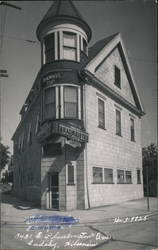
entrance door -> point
(54, 191)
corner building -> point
(78, 143)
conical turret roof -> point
(62, 11)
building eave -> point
(90, 79)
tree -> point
(150, 154)
(4, 156)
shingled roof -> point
(98, 46)
(60, 12)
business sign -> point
(51, 78)
(70, 132)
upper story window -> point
(101, 114)
(49, 103)
(117, 77)
(62, 102)
(118, 122)
(49, 48)
(84, 46)
(70, 102)
(69, 46)
(132, 130)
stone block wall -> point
(105, 149)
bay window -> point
(49, 103)
(49, 48)
(62, 101)
(69, 46)
(70, 102)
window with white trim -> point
(117, 77)
(49, 103)
(62, 101)
(128, 177)
(70, 102)
(138, 176)
(124, 177)
(118, 122)
(49, 48)
(97, 175)
(85, 46)
(108, 175)
(71, 174)
(132, 129)
(101, 114)
(120, 176)
(69, 46)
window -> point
(101, 114)
(69, 46)
(138, 177)
(132, 129)
(70, 102)
(118, 122)
(49, 101)
(37, 124)
(97, 175)
(108, 175)
(84, 46)
(128, 177)
(52, 149)
(71, 174)
(117, 77)
(22, 142)
(29, 139)
(49, 48)
(120, 176)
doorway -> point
(54, 190)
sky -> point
(134, 19)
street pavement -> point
(127, 225)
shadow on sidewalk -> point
(9, 198)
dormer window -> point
(49, 48)
(69, 46)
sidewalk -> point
(14, 210)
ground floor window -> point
(71, 176)
(120, 176)
(52, 149)
(128, 177)
(124, 177)
(97, 175)
(108, 175)
(138, 177)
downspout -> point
(86, 163)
